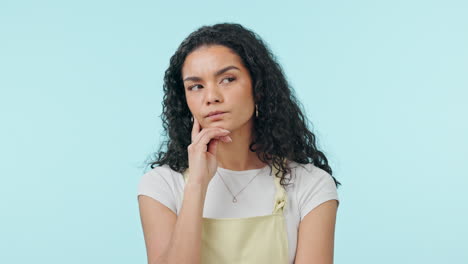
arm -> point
(316, 235)
(179, 239)
(172, 239)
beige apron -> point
(258, 239)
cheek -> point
(192, 105)
(244, 106)
(243, 92)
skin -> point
(229, 92)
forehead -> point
(206, 60)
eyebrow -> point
(223, 70)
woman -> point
(241, 179)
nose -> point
(213, 94)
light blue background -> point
(384, 83)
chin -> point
(218, 124)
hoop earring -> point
(256, 110)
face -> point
(216, 80)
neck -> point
(236, 155)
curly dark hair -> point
(280, 131)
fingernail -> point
(225, 130)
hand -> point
(202, 152)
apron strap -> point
(185, 174)
(280, 195)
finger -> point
(224, 138)
(206, 135)
(213, 146)
(195, 128)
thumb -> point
(212, 146)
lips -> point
(215, 113)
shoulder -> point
(162, 184)
(161, 173)
(312, 186)
(308, 174)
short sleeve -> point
(315, 188)
(154, 185)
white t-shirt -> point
(310, 186)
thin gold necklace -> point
(234, 199)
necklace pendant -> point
(234, 200)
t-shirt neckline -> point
(243, 172)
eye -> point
(191, 87)
(229, 78)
